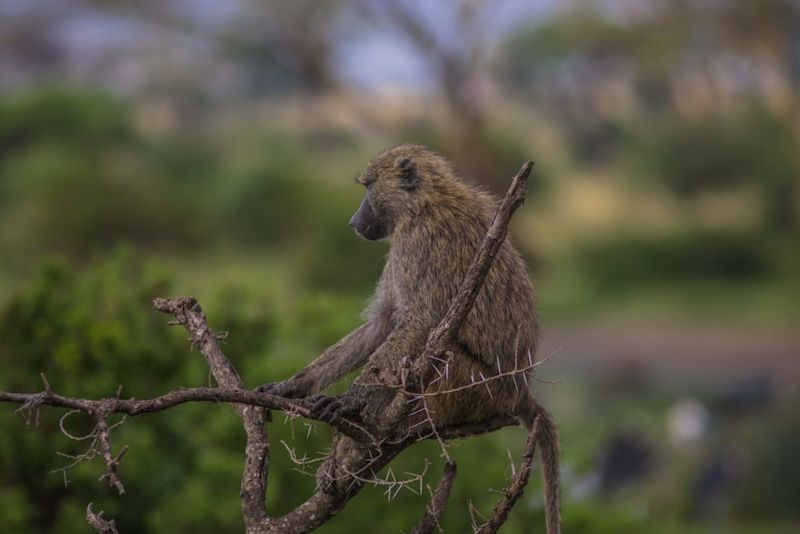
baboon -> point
(435, 223)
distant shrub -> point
(694, 256)
(769, 487)
(77, 178)
(335, 257)
(272, 200)
(716, 152)
(91, 332)
(71, 117)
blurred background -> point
(163, 147)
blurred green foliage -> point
(704, 255)
(91, 331)
(248, 209)
(76, 178)
(773, 491)
(755, 148)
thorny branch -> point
(134, 407)
(100, 523)
(514, 491)
(253, 408)
(439, 498)
(442, 337)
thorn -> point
(483, 378)
(418, 410)
(439, 359)
(418, 424)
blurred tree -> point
(266, 46)
(28, 42)
(455, 40)
(574, 67)
(91, 332)
(76, 177)
(459, 61)
(275, 46)
(628, 261)
(720, 78)
(710, 153)
(295, 41)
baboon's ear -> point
(409, 178)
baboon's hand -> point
(285, 388)
(329, 408)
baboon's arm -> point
(407, 339)
(348, 354)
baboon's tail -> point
(549, 454)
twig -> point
(518, 482)
(187, 312)
(136, 407)
(112, 462)
(392, 484)
(433, 512)
(100, 523)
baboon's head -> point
(399, 184)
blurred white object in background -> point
(687, 422)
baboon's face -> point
(391, 184)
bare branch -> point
(134, 407)
(433, 512)
(517, 487)
(100, 523)
(112, 462)
(188, 313)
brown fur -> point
(435, 224)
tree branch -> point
(100, 523)
(433, 512)
(516, 488)
(188, 313)
(444, 333)
(112, 462)
(134, 407)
